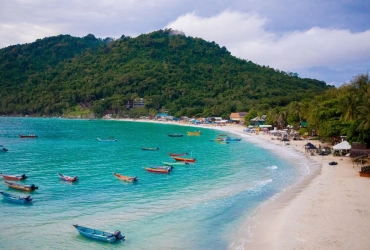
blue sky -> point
(328, 40)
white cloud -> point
(246, 36)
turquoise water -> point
(194, 207)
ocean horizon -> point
(200, 206)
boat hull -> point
(184, 159)
(106, 140)
(179, 163)
(180, 154)
(159, 170)
(150, 149)
(68, 178)
(126, 178)
(99, 235)
(193, 133)
(27, 188)
(14, 177)
(28, 136)
(17, 199)
(175, 135)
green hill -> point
(188, 76)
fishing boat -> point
(175, 135)
(126, 178)
(159, 169)
(193, 132)
(68, 178)
(100, 235)
(150, 149)
(227, 138)
(179, 154)
(221, 142)
(17, 199)
(184, 159)
(107, 140)
(14, 177)
(21, 187)
(177, 163)
(28, 136)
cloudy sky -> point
(328, 40)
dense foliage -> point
(343, 111)
(187, 76)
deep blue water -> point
(194, 207)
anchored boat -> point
(100, 235)
(21, 187)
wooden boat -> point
(17, 199)
(365, 171)
(151, 149)
(221, 142)
(107, 140)
(180, 154)
(159, 169)
(28, 136)
(126, 178)
(68, 178)
(21, 187)
(178, 163)
(100, 235)
(175, 135)
(184, 159)
(193, 132)
(14, 177)
(227, 138)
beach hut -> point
(341, 148)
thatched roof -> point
(359, 152)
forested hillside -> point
(188, 76)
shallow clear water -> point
(194, 207)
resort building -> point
(238, 117)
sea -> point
(200, 206)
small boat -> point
(150, 149)
(180, 154)
(17, 199)
(159, 169)
(175, 135)
(100, 235)
(193, 132)
(126, 178)
(68, 178)
(107, 140)
(221, 142)
(28, 136)
(333, 163)
(184, 159)
(2, 149)
(233, 139)
(21, 187)
(14, 177)
(227, 138)
(178, 163)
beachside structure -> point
(238, 117)
(259, 120)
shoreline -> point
(328, 209)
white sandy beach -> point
(328, 209)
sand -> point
(328, 209)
